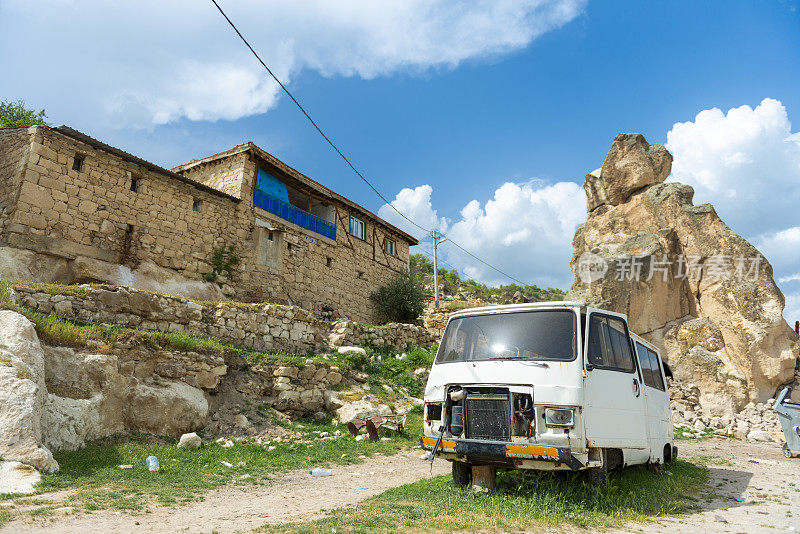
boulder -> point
(23, 394)
(190, 441)
(16, 477)
(86, 396)
(759, 435)
(687, 282)
(361, 409)
(169, 410)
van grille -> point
(488, 416)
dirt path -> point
(292, 497)
(757, 474)
(752, 489)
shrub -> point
(402, 300)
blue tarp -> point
(271, 185)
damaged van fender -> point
(547, 386)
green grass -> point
(185, 474)
(522, 501)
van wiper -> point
(525, 359)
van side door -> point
(614, 404)
(658, 410)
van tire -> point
(462, 474)
(598, 476)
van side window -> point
(644, 360)
(608, 344)
(655, 367)
(622, 349)
(651, 370)
(599, 353)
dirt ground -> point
(753, 488)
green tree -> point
(15, 115)
(402, 300)
(420, 264)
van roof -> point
(500, 308)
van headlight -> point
(559, 417)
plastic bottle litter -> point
(319, 472)
(152, 463)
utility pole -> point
(437, 238)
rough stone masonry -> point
(74, 210)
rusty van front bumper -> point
(502, 452)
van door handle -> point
(636, 389)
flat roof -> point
(297, 175)
(99, 145)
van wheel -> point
(462, 474)
(667, 453)
(598, 476)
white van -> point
(548, 386)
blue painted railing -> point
(293, 214)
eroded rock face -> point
(22, 394)
(688, 283)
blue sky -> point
(463, 98)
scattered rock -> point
(351, 350)
(190, 441)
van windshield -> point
(530, 335)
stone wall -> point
(14, 144)
(265, 327)
(116, 221)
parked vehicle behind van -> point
(547, 386)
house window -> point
(135, 184)
(77, 162)
(197, 205)
(271, 237)
(328, 262)
(358, 228)
(388, 247)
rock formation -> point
(22, 394)
(687, 282)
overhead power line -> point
(346, 160)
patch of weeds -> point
(5, 517)
(711, 460)
(523, 501)
(692, 434)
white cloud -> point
(416, 205)
(747, 164)
(152, 62)
(782, 249)
(525, 230)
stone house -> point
(73, 209)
